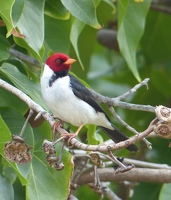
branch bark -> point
(134, 175)
(160, 8)
(74, 142)
(117, 103)
(24, 57)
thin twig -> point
(119, 145)
(72, 197)
(115, 160)
(116, 103)
(148, 144)
(58, 140)
(161, 8)
(109, 193)
(31, 112)
(77, 173)
(61, 152)
(48, 117)
(80, 153)
(145, 164)
(24, 57)
(96, 177)
(116, 146)
(134, 89)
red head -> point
(59, 62)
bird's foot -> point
(70, 136)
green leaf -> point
(4, 47)
(8, 171)
(17, 11)
(5, 13)
(83, 43)
(83, 40)
(131, 20)
(58, 39)
(23, 83)
(14, 120)
(5, 101)
(85, 11)
(161, 75)
(76, 30)
(31, 25)
(43, 131)
(148, 191)
(45, 182)
(6, 189)
(93, 137)
(91, 134)
(56, 10)
(155, 41)
(111, 4)
(165, 192)
(5, 137)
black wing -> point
(84, 94)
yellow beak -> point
(69, 61)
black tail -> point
(117, 136)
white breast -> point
(61, 100)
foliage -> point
(37, 28)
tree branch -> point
(160, 8)
(36, 107)
(134, 89)
(123, 144)
(128, 127)
(24, 57)
(134, 175)
(73, 141)
(117, 103)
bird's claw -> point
(69, 137)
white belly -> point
(67, 107)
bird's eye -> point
(59, 61)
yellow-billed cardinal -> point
(70, 101)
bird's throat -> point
(57, 75)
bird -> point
(72, 102)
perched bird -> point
(70, 101)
